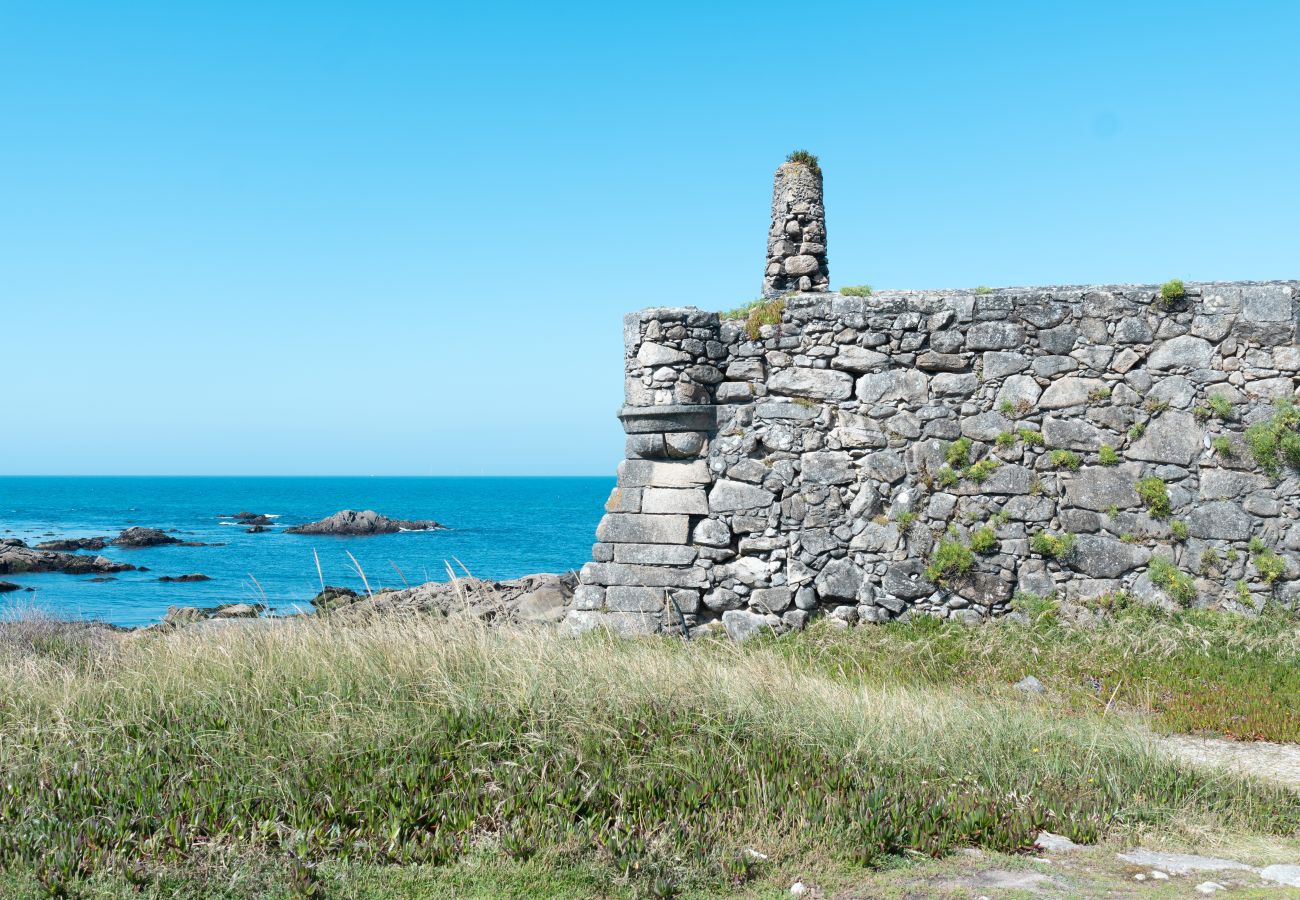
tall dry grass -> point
(405, 739)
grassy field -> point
(1194, 671)
(434, 758)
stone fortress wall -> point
(817, 465)
(943, 451)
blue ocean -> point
(497, 528)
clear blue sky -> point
(398, 238)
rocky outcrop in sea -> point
(136, 537)
(350, 522)
(17, 557)
(71, 544)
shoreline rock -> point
(69, 544)
(196, 576)
(351, 523)
(16, 557)
(541, 599)
(179, 616)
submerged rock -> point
(196, 576)
(7, 586)
(353, 523)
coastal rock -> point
(137, 537)
(531, 600)
(16, 557)
(250, 518)
(196, 576)
(331, 597)
(7, 586)
(349, 522)
(178, 616)
(69, 544)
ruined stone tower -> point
(796, 242)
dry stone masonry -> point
(796, 242)
(1080, 441)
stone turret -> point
(796, 242)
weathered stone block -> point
(644, 472)
(610, 574)
(712, 533)
(908, 385)
(1071, 434)
(994, 336)
(623, 598)
(1185, 352)
(1174, 437)
(816, 384)
(589, 596)
(1099, 488)
(827, 467)
(652, 354)
(736, 496)
(683, 501)
(655, 554)
(1220, 520)
(772, 600)
(858, 359)
(624, 500)
(839, 580)
(1105, 557)
(741, 625)
(1069, 392)
(638, 528)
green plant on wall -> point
(1065, 459)
(757, 314)
(1172, 291)
(1276, 442)
(1107, 456)
(1180, 586)
(1051, 545)
(1268, 564)
(856, 290)
(1155, 494)
(983, 540)
(804, 158)
(958, 453)
(982, 469)
(949, 560)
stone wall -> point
(818, 465)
